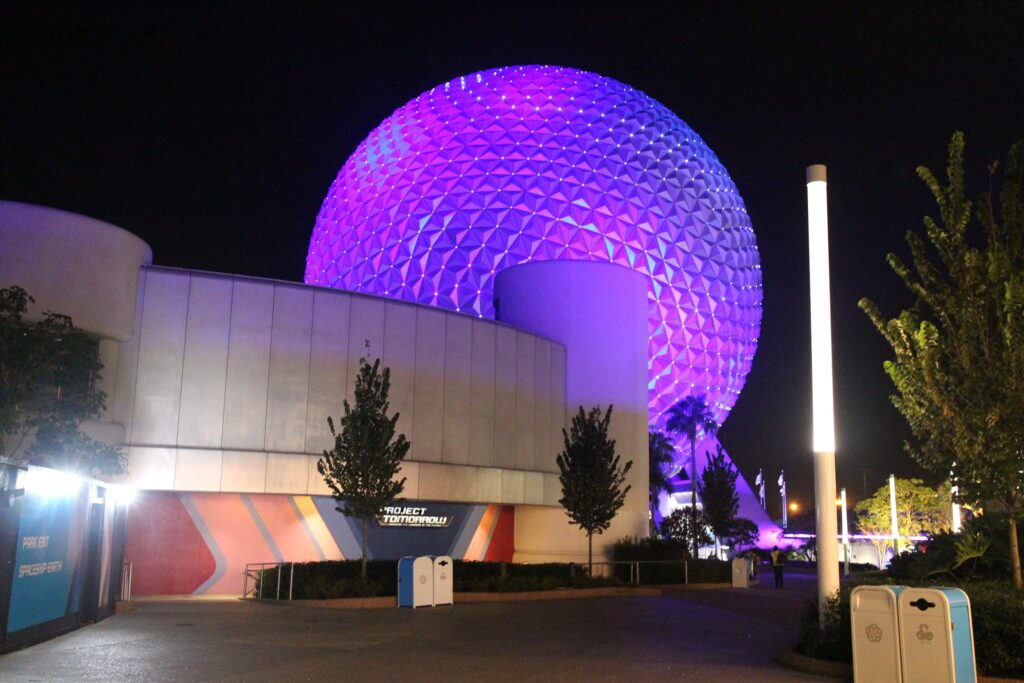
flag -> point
(782, 482)
(760, 480)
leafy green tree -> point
(680, 526)
(660, 454)
(48, 375)
(742, 532)
(689, 417)
(717, 489)
(592, 480)
(958, 356)
(361, 470)
(920, 510)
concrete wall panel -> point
(288, 392)
(244, 471)
(287, 473)
(525, 400)
(458, 364)
(245, 397)
(151, 468)
(161, 356)
(201, 422)
(197, 470)
(505, 398)
(481, 395)
(541, 403)
(328, 366)
(428, 408)
(400, 356)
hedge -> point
(341, 578)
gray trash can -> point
(415, 582)
(444, 581)
(937, 636)
(740, 573)
(874, 628)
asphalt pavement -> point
(691, 635)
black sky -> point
(213, 132)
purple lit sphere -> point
(536, 163)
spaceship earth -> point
(529, 163)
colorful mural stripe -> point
(199, 543)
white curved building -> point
(219, 388)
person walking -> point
(778, 562)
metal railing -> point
(607, 569)
(256, 572)
(126, 581)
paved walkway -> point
(692, 635)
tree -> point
(592, 480)
(660, 454)
(679, 525)
(362, 467)
(920, 510)
(690, 417)
(717, 489)
(742, 532)
(958, 356)
(48, 375)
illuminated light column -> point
(954, 490)
(892, 515)
(846, 533)
(821, 380)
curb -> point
(524, 596)
(812, 665)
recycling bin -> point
(937, 636)
(740, 573)
(874, 627)
(444, 578)
(415, 582)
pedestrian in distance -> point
(778, 562)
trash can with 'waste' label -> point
(937, 636)
(874, 627)
(415, 582)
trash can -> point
(740, 573)
(444, 579)
(415, 582)
(937, 636)
(874, 627)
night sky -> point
(213, 132)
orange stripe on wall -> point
(284, 527)
(316, 525)
(478, 546)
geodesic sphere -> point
(536, 163)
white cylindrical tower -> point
(599, 312)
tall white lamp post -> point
(846, 533)
(821, 379)
(893, 519)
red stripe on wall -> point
(285, 527)
(503, 542)
(167, 552)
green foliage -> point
(660, 454)
(689, 417)
(717, 491)
(592, 480)
(343, 579)
(48, 375)
(662, 562)
(361, 470)
(742, 533)
(920, 510)
(958, 356)
(679, 526)
(977, 553)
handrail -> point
(256, 571)
(126, 581)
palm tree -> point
(689, 417)
(660, 454)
